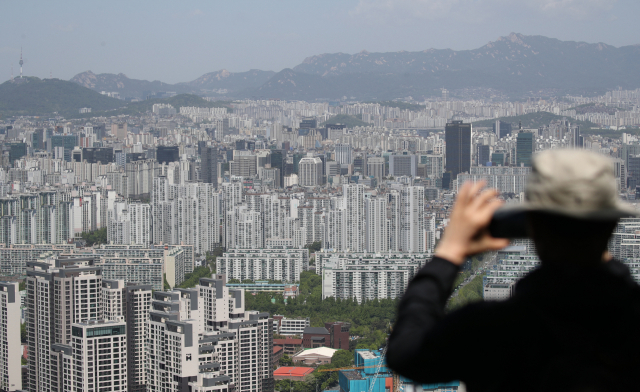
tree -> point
(193, 278)
(314, 246)
(23, 333)
(234, 281)
(96, 237)
(286, 360)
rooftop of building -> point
(352, 375)
(319, 351)
(295, 371)
(316, 330)
(287, 341)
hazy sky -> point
(177, 41)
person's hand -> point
(467, 233)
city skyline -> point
(134, 40)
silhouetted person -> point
(571, 325)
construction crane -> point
(375, 375)
(397, 380)
(347, 368)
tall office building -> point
(458, 148)
(343, 154)
(375, 168)
(60, 292)
(278, 161)
(360, 163)
(119, 131)
(483, 154)
(502, 129)
(525, 147)
(403, 165)
(166, 154)
(310, 171)
(209, 165)
(244, 166)
(10, 348)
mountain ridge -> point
(514, 65)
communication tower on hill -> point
(21, 62)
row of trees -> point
(370, 320)
(95, 237)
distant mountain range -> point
(205, 84)
(516, 65)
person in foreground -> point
(571, 325)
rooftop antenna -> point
(21, 62)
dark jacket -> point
(568, 329)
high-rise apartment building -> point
(185, 214)
(136, 311)
(10, 348)
(60, 292)
(458, 148)
(129, 224)
(376, 225)
(204, 334)
(99, 359)
(310, 171)
(353, 202)
(263, 264)
(349, 275)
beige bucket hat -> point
(576, 183)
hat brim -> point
(622, 210)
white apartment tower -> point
(99, 356)
(412, 230)
(10, 348)
(343, 154)
(353, 195)
(310, 171)
(129, 224)
(60, 292)
(137, 308)
(376, 226)
(186, 214)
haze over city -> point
(335, 196)
(179, 41)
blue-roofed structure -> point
(360, 380)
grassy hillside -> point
(34, 96)
(534, 120)
(349, 121)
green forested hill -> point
(534, 120)
(42, 97)
(33, 96)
